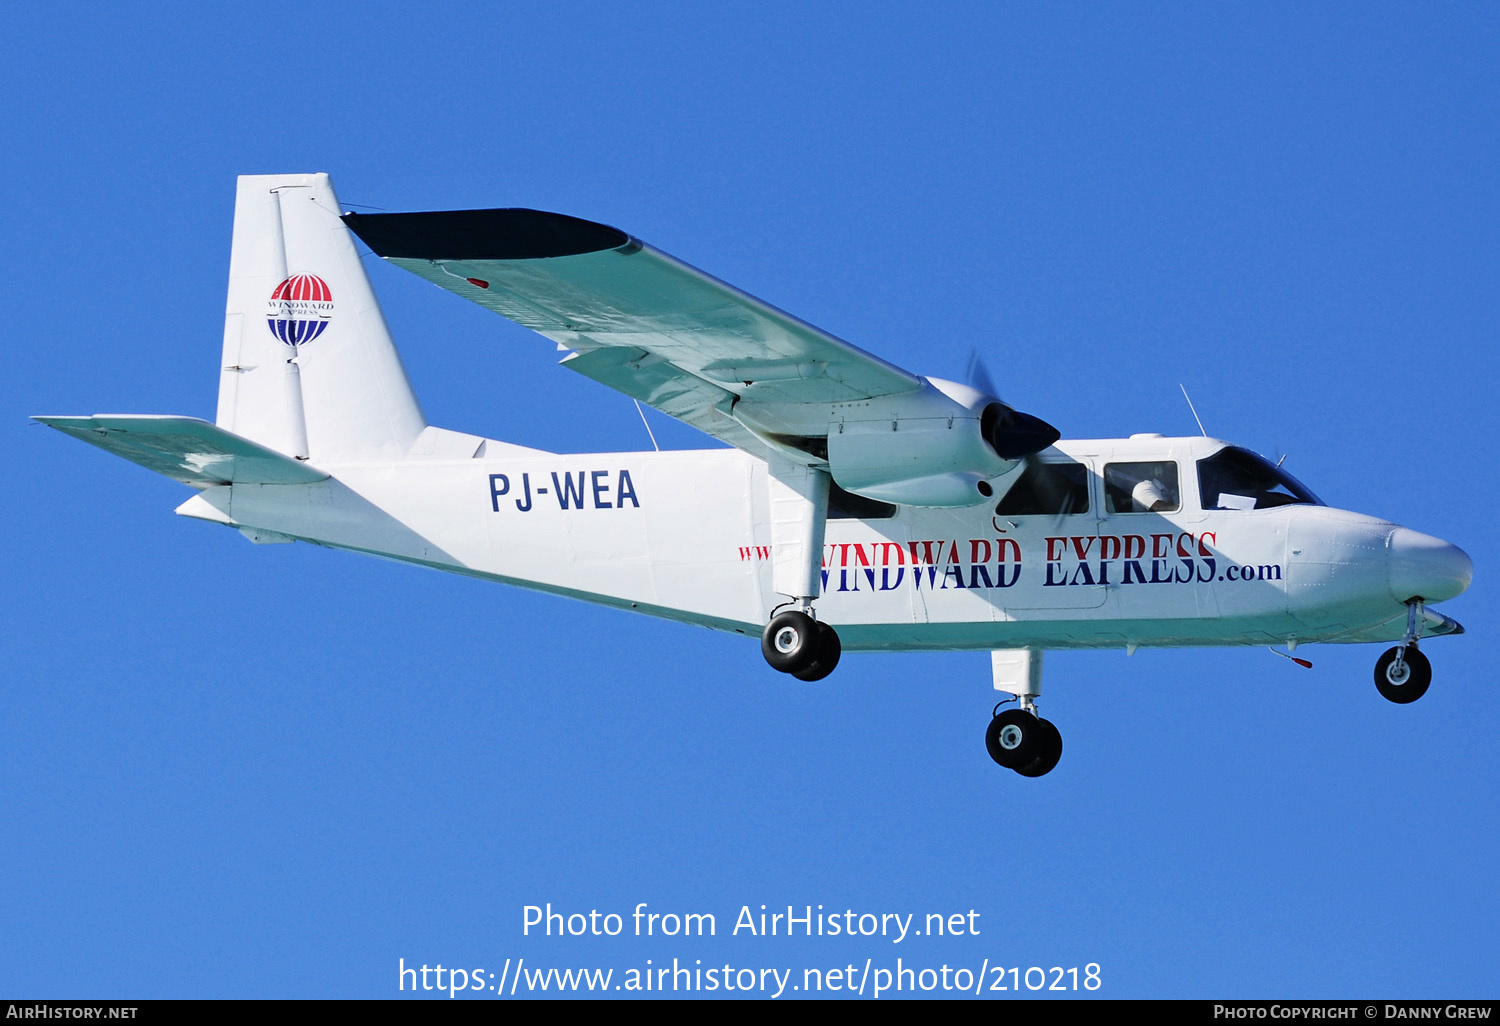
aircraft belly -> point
(1052, 632)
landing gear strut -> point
(794, 642)
(1403, 673)
(1017, 738)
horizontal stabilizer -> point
(187, 449)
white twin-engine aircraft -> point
(861, 506)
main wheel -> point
(829, 650)
(790, 641)
(1012, 738)
(1049, 750)
(1405, 683)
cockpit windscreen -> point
(1235, 478)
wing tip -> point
(510, 233)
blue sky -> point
(233, 770)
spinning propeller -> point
(1018, 436)
(1012, 434)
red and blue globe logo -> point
(300, 309)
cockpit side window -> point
(1141, 487)
(1051, 489)
(1235, 478)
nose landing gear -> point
(1403, 673)
(1403, 678)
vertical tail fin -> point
(309, 366)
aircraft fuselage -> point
(686, 535)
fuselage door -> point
(1050, 516)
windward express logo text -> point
(1099, 561)
(300, 308)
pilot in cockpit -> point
(1142, 487)
(1153, 495)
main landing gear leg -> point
(1403, 673)
(795, 641)
(1017, 738)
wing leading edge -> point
(633, 317)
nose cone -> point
(1425, 567)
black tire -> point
(1012, 738)
(790, 641)
(829, 650)
(1409, 687)
(1049, 750)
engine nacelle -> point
(937, 446)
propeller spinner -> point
(1012, 434)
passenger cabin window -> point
(1235, 478)
(1050, 489)
(844, 505)
(1141, 487)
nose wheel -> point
(1403, 678)
(1403, 673)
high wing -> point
(633, 317)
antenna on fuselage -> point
(1192, 407)
(648, 425)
